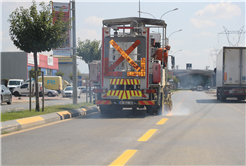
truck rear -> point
(231, 73)
(127, 76)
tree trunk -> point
(36, 80)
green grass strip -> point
(12, 115)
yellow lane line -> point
(123, 158)
(147, 135)
(4, 135)
(235, 108)
(30, 120)
(162, 121)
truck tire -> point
(222, 96)
(104, 110)
(150, 110)
(241, 98)
(218, 92)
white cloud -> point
(93, 20)
(202, 23)
(221, 10)
(90, 34)
(203, 33)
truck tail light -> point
(149, 91)
(100, 90)
(40, 88)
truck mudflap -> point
(124, 102)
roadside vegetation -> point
(12, 115)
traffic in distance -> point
(142, 117)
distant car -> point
(6, 95)
(199, 88)
(50, 93)
(82, 89)
(68, 92)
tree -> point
(33, 72)
(89, 50)
(33, 31)
(59, 73)
(70, 76)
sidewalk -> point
(25, 123)
(24, 99)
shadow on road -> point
(119, 114)
(210, 101)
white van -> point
(13, 83)
(23, 90)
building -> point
(15, 65)
(65, 64)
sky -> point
(203, 24)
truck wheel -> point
(222, 97)
(218, 96)
(240, 98)
(149, 110)
(104, 110)
(1, 99)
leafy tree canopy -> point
(33, 31)
(70, 76)
(59, 73)
(33, 73)
(89, 50)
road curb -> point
(25, 123)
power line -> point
(239, 33)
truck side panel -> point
(232, 67)
(243, 78)
(219, 66)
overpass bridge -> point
(190, 78)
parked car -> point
(82, 89)
(6, 95)
(13, 83)
(199, 88)
(68, 92)
(50, 93)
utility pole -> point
(139, 9)
(75, 101)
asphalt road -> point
(49, 102)
(199, 131)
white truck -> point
(23, 90)
(231, 73)
(13, 83)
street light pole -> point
(139, 9)
(174, 32)
(75, 101)
(169, 11)
(145, 13)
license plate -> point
(126, 102)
